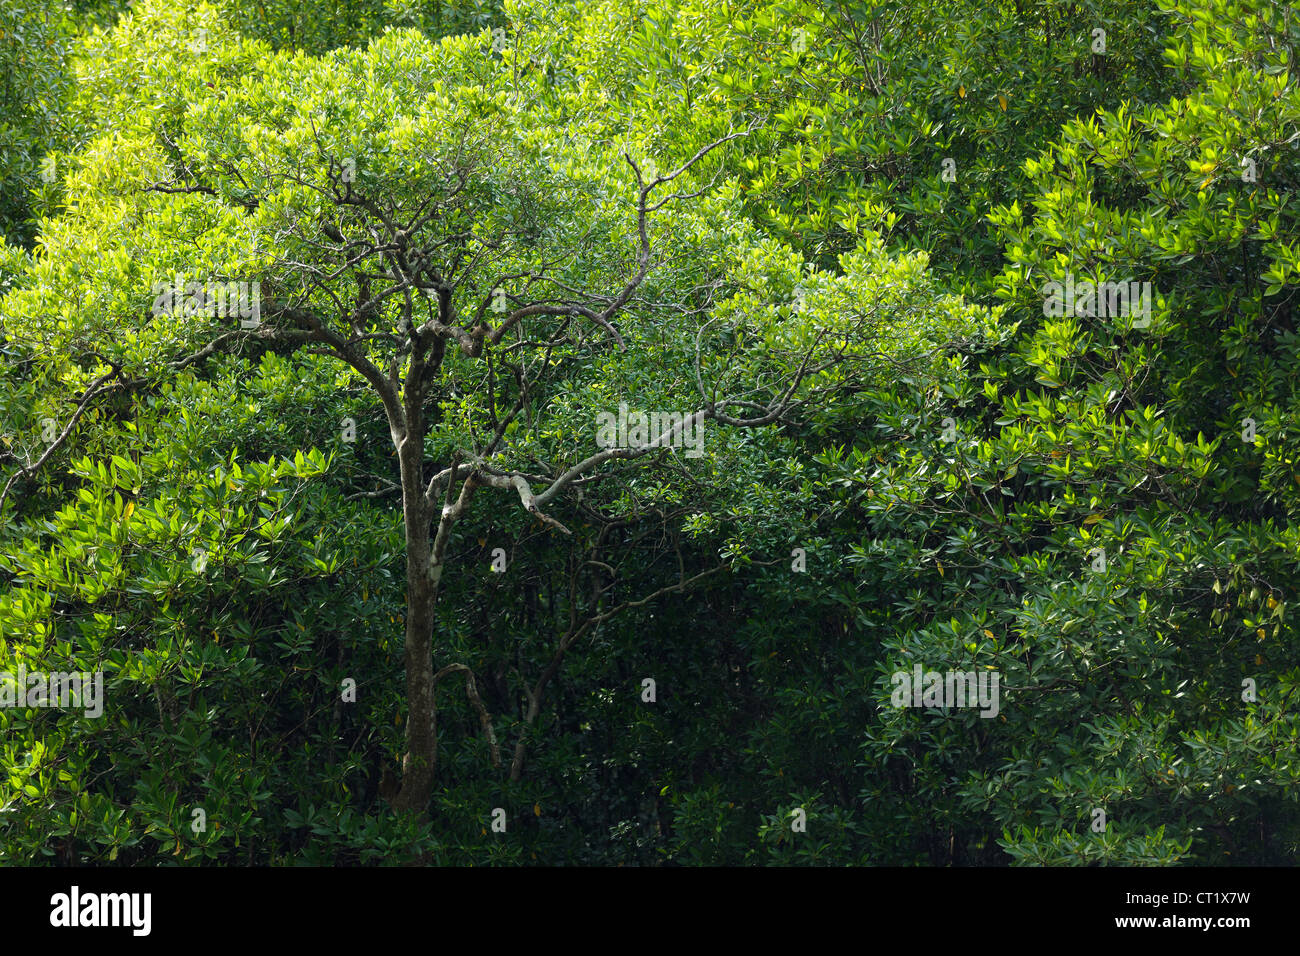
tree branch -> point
(471, 691)
(95, 388)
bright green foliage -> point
(34, 40)
(857, 106)
(321, 25)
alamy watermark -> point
(662, 429)
(1098, 300)
(215, 299)
(83, 689)
(922, 688)
(77, 909)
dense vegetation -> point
(367, 585)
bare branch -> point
(471, 691)
(97, 387)
(520, 484)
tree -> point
(493, 279)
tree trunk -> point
(420, 760)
